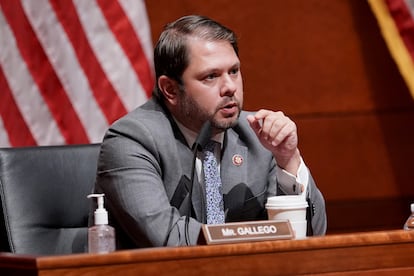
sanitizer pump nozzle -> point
(101, 215)
(101, 236)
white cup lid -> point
(286, 201)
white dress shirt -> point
(289, 183)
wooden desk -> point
(370, 253)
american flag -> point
(69, 68)
(396, 21)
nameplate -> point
(247, 231)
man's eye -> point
(234, 71)
(211, 76)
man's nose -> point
(229, 85)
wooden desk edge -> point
(195, 252)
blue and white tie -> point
(212, 181)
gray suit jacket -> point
(144, 170)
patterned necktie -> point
(212, 181)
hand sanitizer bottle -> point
(101, 236)
(409, 224)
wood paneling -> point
(362, 155)
(325, 64)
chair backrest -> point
(43, 192)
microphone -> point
(202, 139)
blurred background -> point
(324, 63)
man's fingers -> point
(254, 123)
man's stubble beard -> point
(194, 111)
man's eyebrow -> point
(214, 69)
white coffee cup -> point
(289, 207)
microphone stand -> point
(202, 138)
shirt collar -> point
(190, 136)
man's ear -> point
(169, 88)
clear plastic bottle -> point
(409, 224)
(101, 236)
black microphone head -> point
(204, 135)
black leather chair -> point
(43, 192)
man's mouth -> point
(230, 108)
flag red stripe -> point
(103, 91)
(43, 74)
(404, 21)
(17, 129)
(124, 32)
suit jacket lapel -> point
(186, 160)
(233, 174)
(233, 170)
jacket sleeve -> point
(131, 177)
(316, 207)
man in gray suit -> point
(146, 159)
